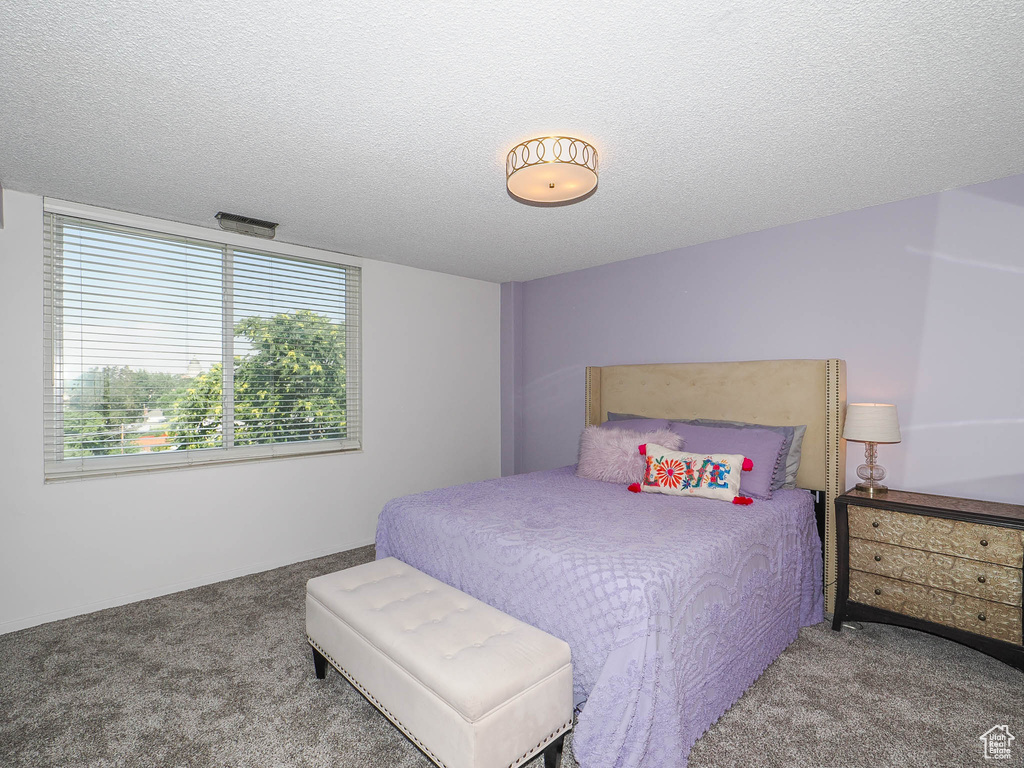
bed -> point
(672, 606)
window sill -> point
(147, 463)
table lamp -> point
(871, 423)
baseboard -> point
(13, 625)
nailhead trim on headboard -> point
(835, 471)
(587, 421)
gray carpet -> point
(222, 676)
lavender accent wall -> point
(511, 372)
(922, 298)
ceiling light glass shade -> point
(555, 170)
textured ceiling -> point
(380, 129)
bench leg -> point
(319, 664)
(553, 753)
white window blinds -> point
(166, 350)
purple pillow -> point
(791, 448)
(613, 455)
(761, 446)
(638, 424)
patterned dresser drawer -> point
(950, 566)
(982, 617)
(988, 543)
(954, 574)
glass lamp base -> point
(870, 473)
(872, 490)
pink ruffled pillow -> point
(611, 455)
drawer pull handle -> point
(984, 542)
(874, 524)
(981, 579)
(878, 591)
(981, 617)
(878, 558)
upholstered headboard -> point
(786, 392)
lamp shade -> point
(872, 423)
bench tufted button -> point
(478, 645)
(436, 621)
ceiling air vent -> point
(244, 225)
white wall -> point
(432, 418)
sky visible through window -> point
(155, 304)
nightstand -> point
(949, 566)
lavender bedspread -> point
(672, 606)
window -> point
(167, 350)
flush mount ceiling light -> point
(555, 170)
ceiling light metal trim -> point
(551, 170)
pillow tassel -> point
(634, 487)
(642, 449)
(747, 464)
(744, 500)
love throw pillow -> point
(678, 473)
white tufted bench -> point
(471, 686)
